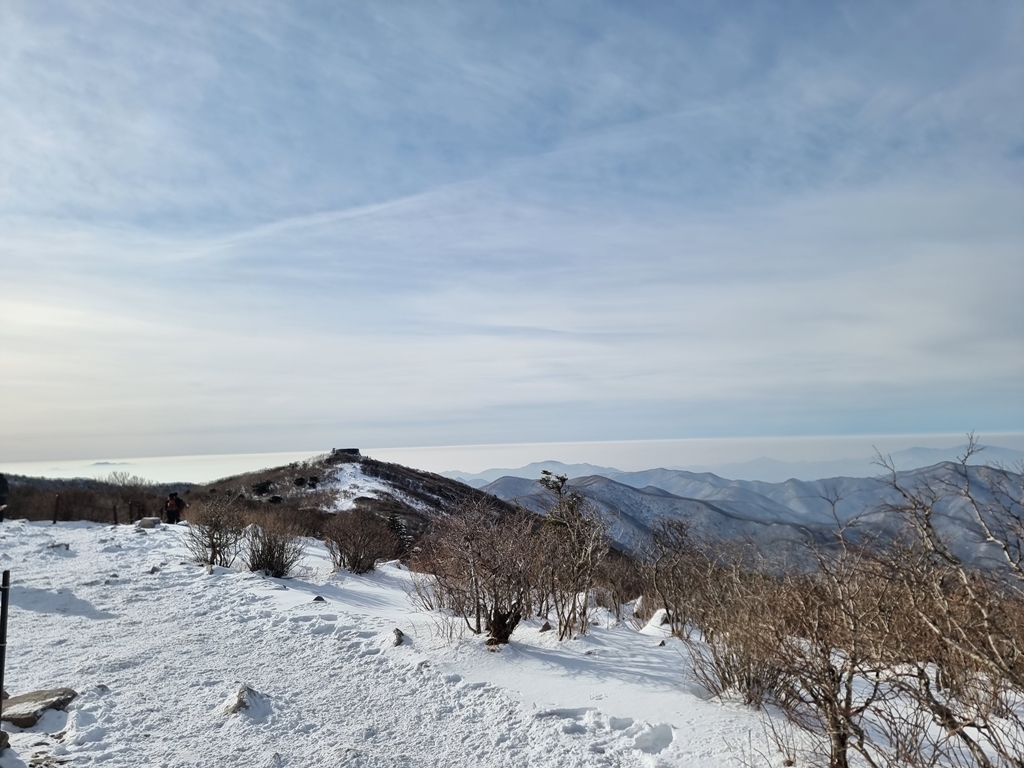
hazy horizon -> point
(624, 455)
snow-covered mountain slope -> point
(531, 471)
(773, 515)
(341, 481)
(631, 513)
(158, 650)
(768, 470)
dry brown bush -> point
(892, 655)
(357, 539)
(573, 543)
(479, 564)
(215, 529)
(272, 545)
(620, 579)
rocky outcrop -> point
(250, 702)
(5, 741)
(25, 710)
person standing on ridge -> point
(3, 496)
(173, 508)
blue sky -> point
(230, 227)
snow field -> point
(159, 649)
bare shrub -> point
(357, 539)
(730, 640)
(216, 527)
(479, 565)
(131, 492)
(831, 645)
(675, 565)
(309, 520)
(620, 579)
(963, 650)
(573, 544)
(272, 546)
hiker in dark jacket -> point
(173, 507)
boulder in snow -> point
(25, 710)
(250, 702)
(149, 522)
(398, 637)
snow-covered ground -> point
(158, 649)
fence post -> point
(5, 593)
(113, 510)
(56, 507)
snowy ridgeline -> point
(178, 667)
(780, 517)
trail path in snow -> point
(158, 655)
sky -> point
(236, 227)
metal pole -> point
(5, 596)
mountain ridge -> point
(764, 469)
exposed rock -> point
(661, 644)
(300, 481)
(155, 569)
(250, 701)
(398, 636)
(319, 599)
(149, 522)
(25, 710)
(5, 741)
(275, 499)
(5, 695)
(262, 488)
(545, 627)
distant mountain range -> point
(777, 517)
(765, 469)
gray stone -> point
(149, 522)
(398, 637)
(5, 695)
(545, 627)
(25, 710)
(5, 741)
(250, 702)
